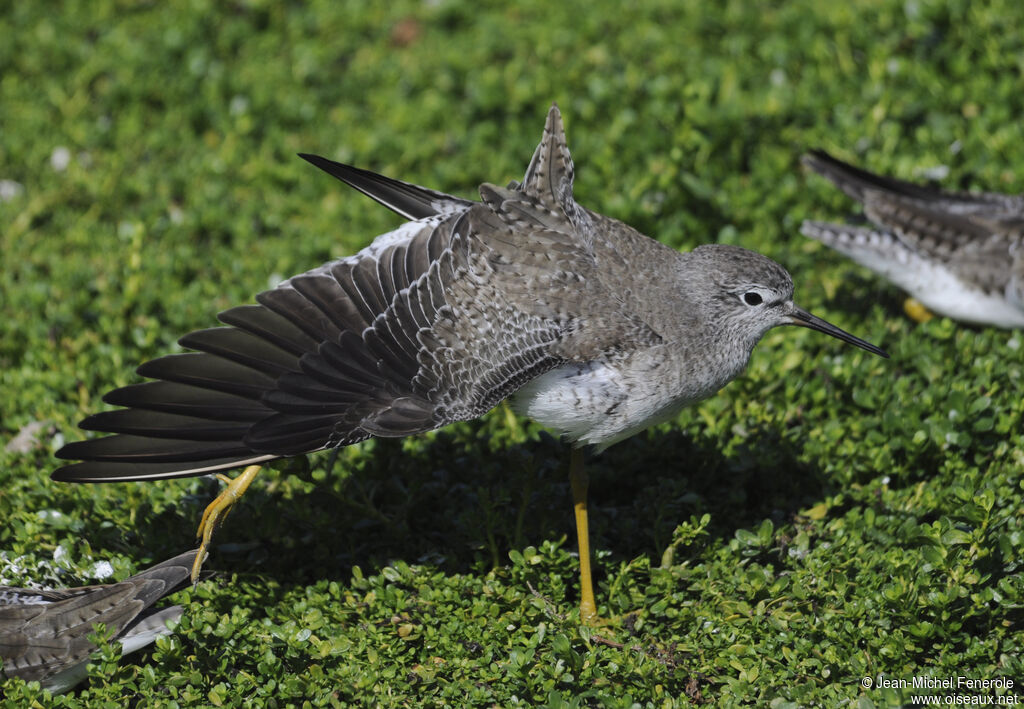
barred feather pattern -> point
(434, 322)
(44, 635)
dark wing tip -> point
(68, 451)
(66, 473)
(321, 162)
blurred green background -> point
(828, 516)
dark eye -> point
(752, 298)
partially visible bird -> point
(596, 330)
(961, 254)
(44, 635)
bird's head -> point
(748, 294)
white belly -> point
(599, 404)
(940, 290)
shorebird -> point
(961, 254)
(44, 635)
(592, 328)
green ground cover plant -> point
(829, 516)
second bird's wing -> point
(44, 635)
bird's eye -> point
(752, 298)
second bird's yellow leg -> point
(916, 310)
(579, 482)
(217, 510)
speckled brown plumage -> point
(44, 635)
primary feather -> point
(434, 322)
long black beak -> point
(801, 317)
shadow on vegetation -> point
(455, 502)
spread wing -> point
(433, 323)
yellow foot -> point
(588, 613)
(606, 625)
(590, 618)
(216, 511)
(916, 310)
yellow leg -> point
(916, 310)
(217, 510)
(579, 482)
